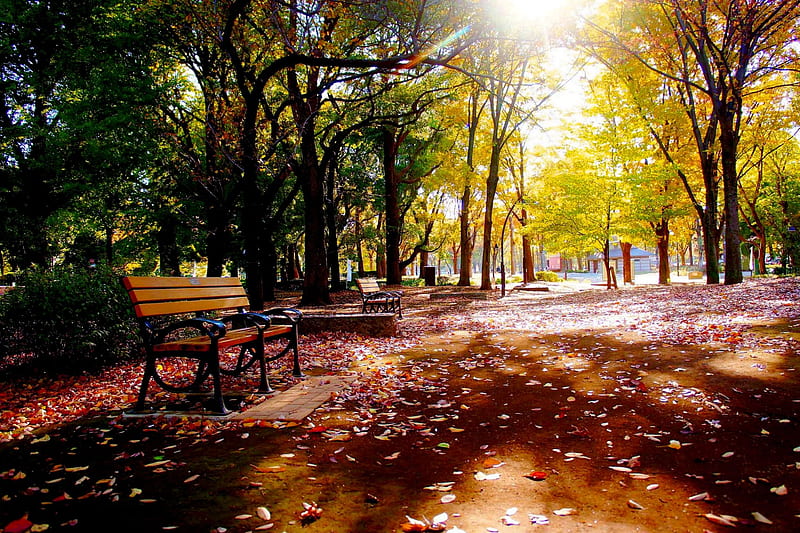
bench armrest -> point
(382, 294)
(244, 319)
(206, 326)
(284, 315)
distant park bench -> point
(204, 337)
(376, 300)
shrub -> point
(546, 275)
(413, 282)
(67, 320)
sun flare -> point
(539, 14)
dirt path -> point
(657, 409)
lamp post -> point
(502, 255)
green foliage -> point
(546, 275)
(67, 320)
(413, 282)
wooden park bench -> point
(376, 300)
(217, 320)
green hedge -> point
(546, 275)
(67, 320)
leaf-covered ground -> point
(643, 409)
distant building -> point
(642, 260)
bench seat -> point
(234, 337)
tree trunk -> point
(315, 286)
(465, 266)
(305, 106)
(332, 233)
(269, 263)
(491, 190)
(730, 180)
(528, 268)
(391, 192)
(627, 274)
(216, 240)
(167, 239)
(662, 248)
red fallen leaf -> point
(491, 462)
(318, 429)
(537, 475)
(20, 525)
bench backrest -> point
(172, 296)
(368, 285)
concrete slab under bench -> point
(367, 324)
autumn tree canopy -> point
(278, 140)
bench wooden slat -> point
(156, 295)
(141, 282)
(144, 310)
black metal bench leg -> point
(149, 371)
(263, 385)
(296, 370)
(219, 401)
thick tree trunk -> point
(315, 286)
(627, 273)
(167, 238)
(730, 180)
(217, 239)
(662, 249)
(393, 231)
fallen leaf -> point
(538, 519)
(719, 520)
(263, 513)
(414, 525)
(537, 475)
(780, 491)
(191, 478)
(566, 511)
(448, 498)
(634, 505)
(758, 517)
(243, 517)
(491, 462)
(20, 525)
(270, 469)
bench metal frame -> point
(376, 300)
(202, 337)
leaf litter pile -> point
(643, 409)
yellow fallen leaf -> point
(758, 517)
